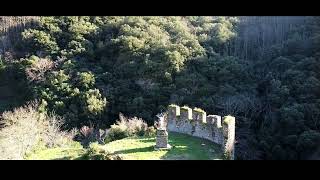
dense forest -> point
(263, 70)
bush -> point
(128, 127)
(151, 132)
(24, 128)
(115, 133)
(96, 152)
(87, 135)
(86, 80)
(94, 103)
(51, 134)
(37, 68)
(133, 126)
(86, 131)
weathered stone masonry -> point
(195, 122)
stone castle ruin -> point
(195, 122)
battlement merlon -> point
(186, 113)
(174, 110)
(195, 114)
(215, 120)
(199, 115)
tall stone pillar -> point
(228, 136)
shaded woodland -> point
(263, 70)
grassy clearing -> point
(140, 148)
(74, 152)
(184, 148)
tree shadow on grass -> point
(81, 157)
(135, 150)
(179, 151)
(186, 147)
(149, 140)
(84, 156)
(69, 154)
(176, 153)
(64, 158)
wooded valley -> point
(264, 70)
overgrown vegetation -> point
(262, 70)
(25, 128)
(129, 127)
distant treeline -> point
(256, 34)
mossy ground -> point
(142, 148)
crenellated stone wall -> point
(195, 122)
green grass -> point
(74, 152)
(185, 147)
(58, 154)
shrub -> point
(25, 128)
(51, 134)
(97, 152)
(116, 132)
(128, 127)
(151, 132)
(20, 132)
(86, 79)
(94, 102)
(133, 126)
(38, 67)
(87, 135)
(86, 131)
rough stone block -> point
(199, 115)
(229, 136)
(174, 110)
(162, 139)
(185, 113)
